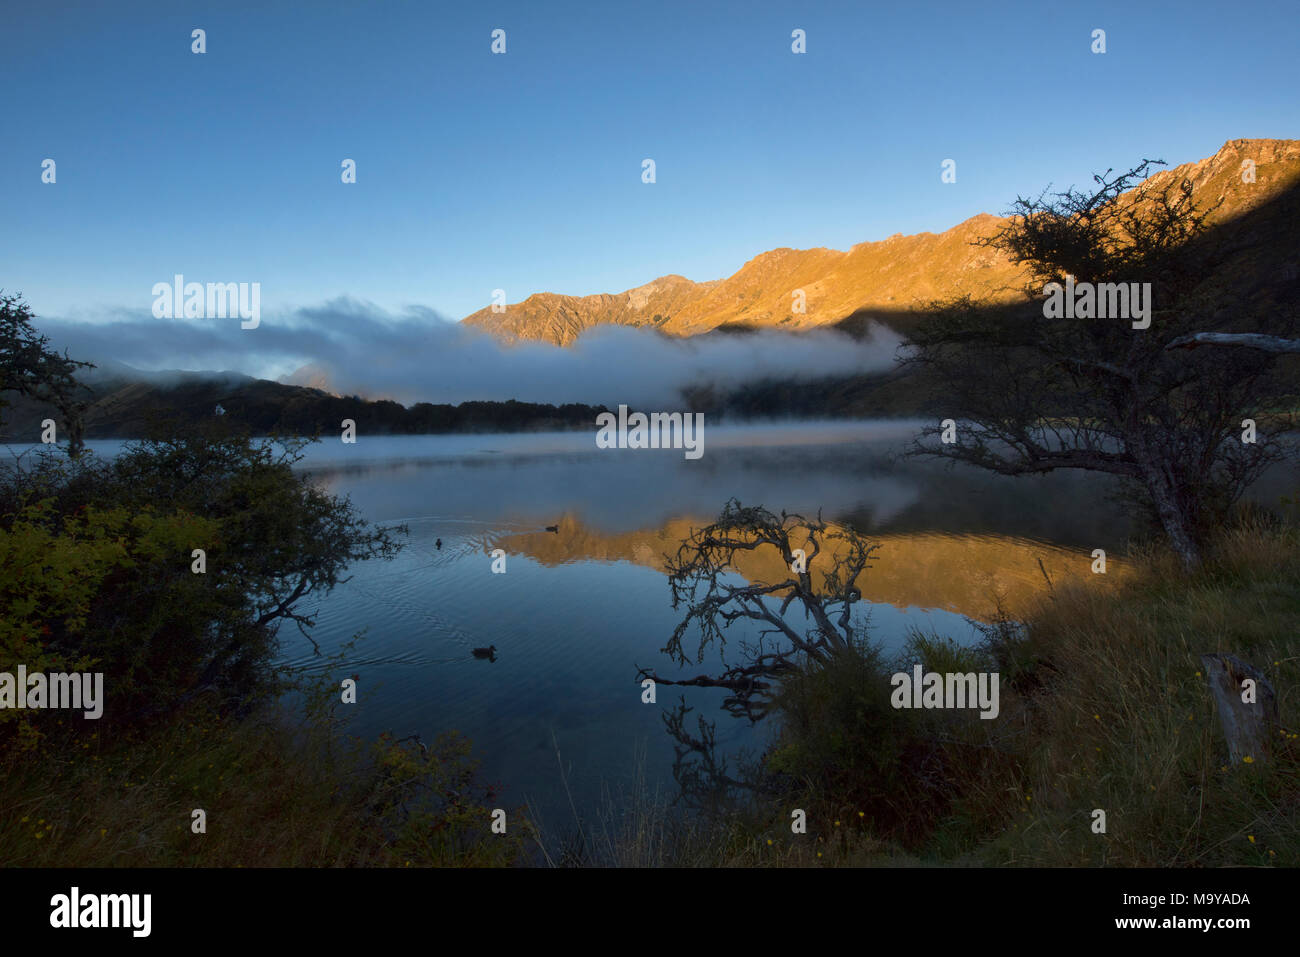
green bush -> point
(98, 569)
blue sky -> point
(523, 171)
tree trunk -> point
(75, 426)
(1172, 518)
(76, 439)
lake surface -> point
(578, 610)
(557, 719)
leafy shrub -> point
(97, 561)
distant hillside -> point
(890, 276)
(126, 403)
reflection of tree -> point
(702, 576)
(704, 779)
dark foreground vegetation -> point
(99, 573)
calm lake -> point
(557, 719)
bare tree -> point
(801, 617)
(1031, 391)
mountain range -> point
(1256, 222)
(890, 276)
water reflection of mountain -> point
(966, 574)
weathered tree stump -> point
(1247, 727)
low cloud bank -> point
(352, 347)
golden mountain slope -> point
(549, 317)
(893, 274)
